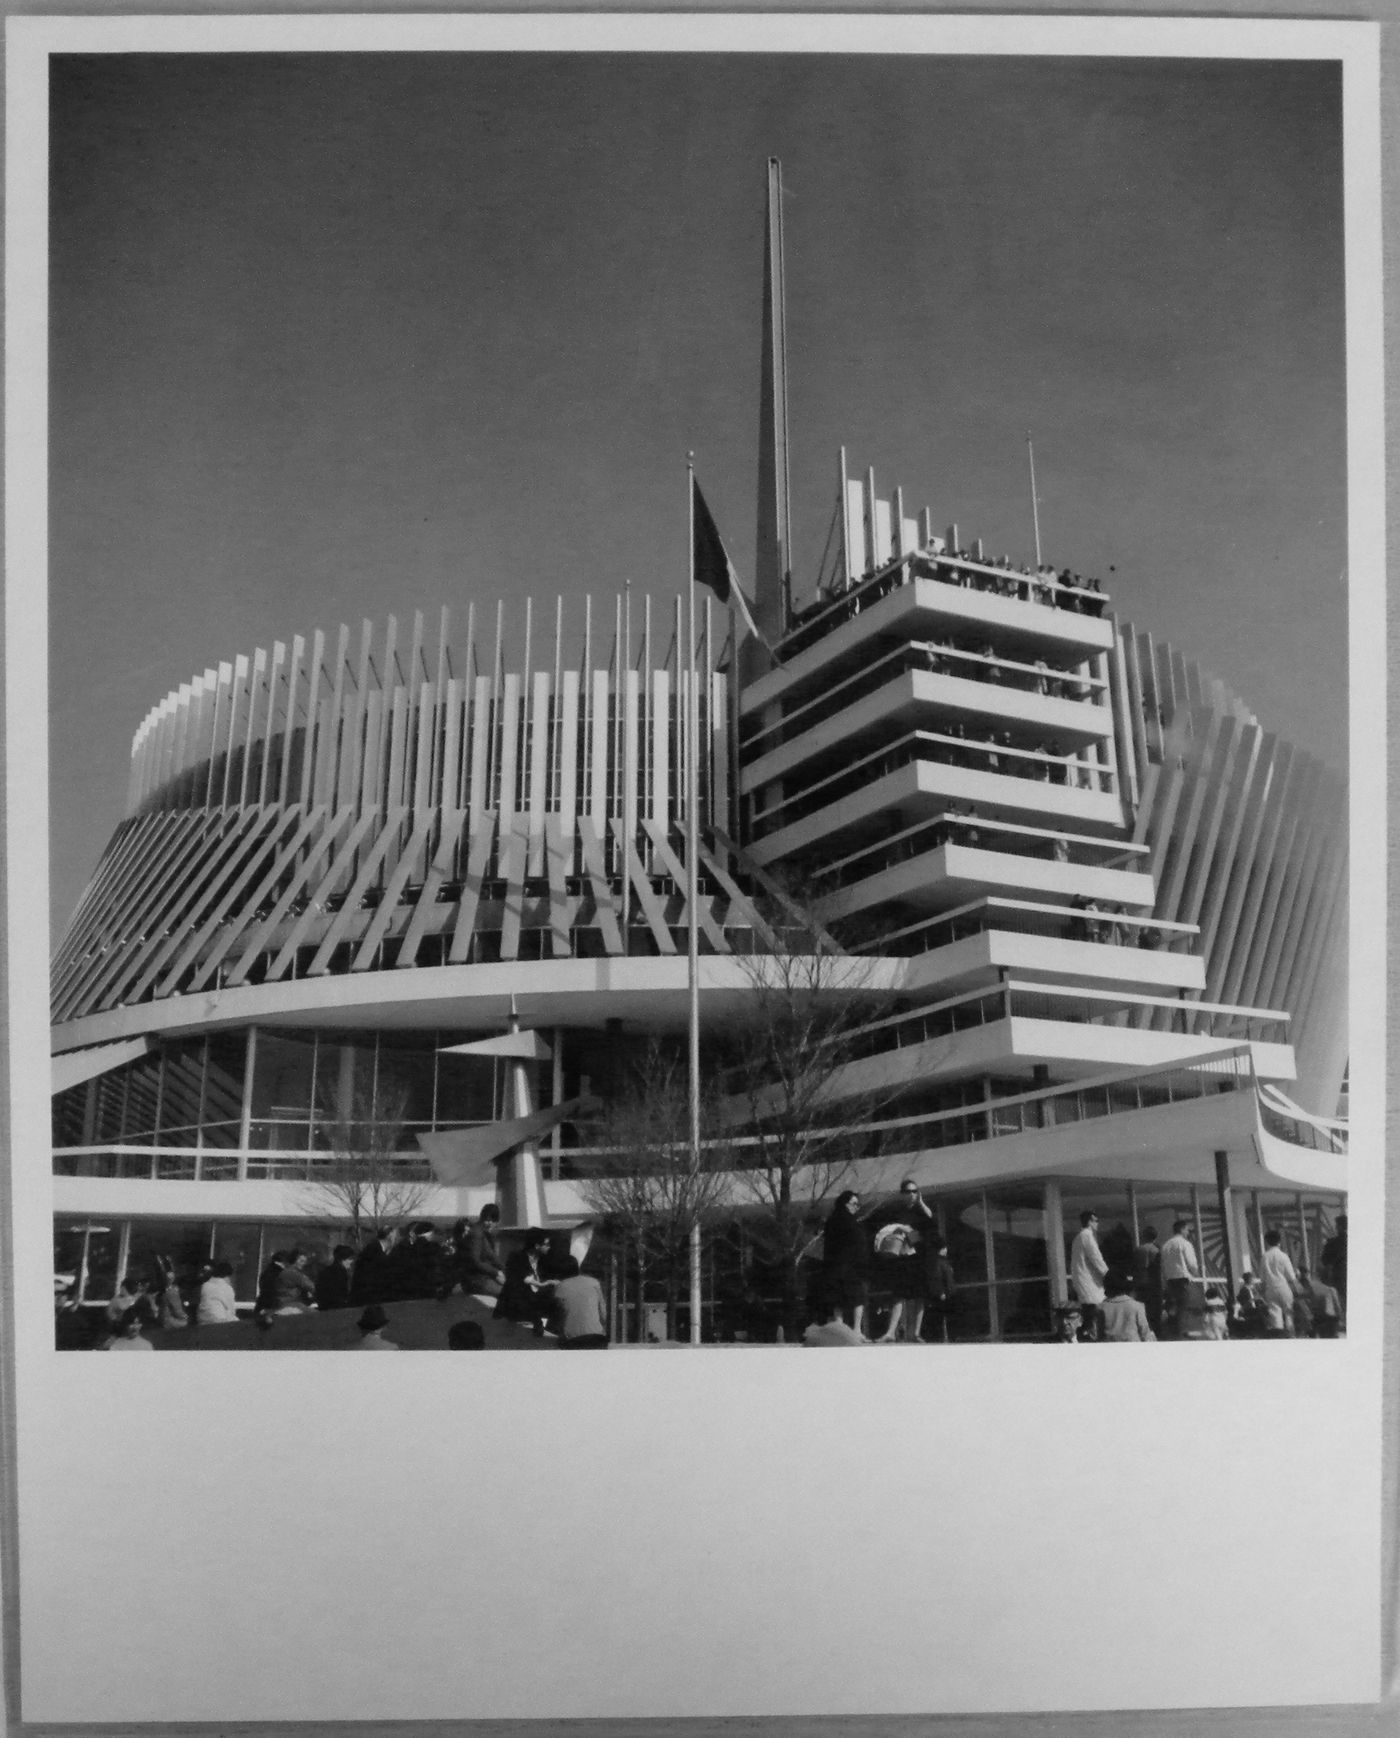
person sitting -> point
(1069, 1320)
(128, 1336)
(129, 1295)
(525, 1292)
(169, 1304)
(466, 1337)
(480, 1269)
(1215, 1316)
(293, 1293)
(1122, 1317)
(333, 1282)
(831, 1328)
(580, 1309)
(373, 1320)
(1249, 1313)
(216, 1301)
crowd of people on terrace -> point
(888, 1268)
(1061, 588)
(1165, 1297)
(898, 1259)
(530, 1285)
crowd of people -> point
(897, 1260)
(532, 1285)
(1164, 1297)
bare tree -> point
(656, 1188)
(796, 1106)
(364, 1178)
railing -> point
(1064, 1006)
(976, 833)
(956, 751)
(961, 569)
(1021, 917)
(1300, 1132)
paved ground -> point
(417, 1326)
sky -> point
(335, 336)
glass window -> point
(180, 1093)
(1023, 1310)
(1017, 1218)
(103, 1238)
(70, 1116)
(970, 1316)
(964, 1217)
(406, 1067)
(237, 1243)
(222, 1113)
(284, 1076)
(344, 1073)
(466, 1085)
(183, 1241)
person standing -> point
(1179, 1268)
(1333, 1264)
(333, 1282)
(1281, 1287)
(1087, 1272)
(931, 1287)
(846, 1254)
(939, 1286)
(371, 1281)
(1147, 1277)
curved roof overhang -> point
(651, 991)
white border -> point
(723, 1533)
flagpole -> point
(1035, 505)
(692, 901)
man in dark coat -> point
(373, 1276)
(334, 1281)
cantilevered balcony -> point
(966, 691)
(1070, 1030)
(902, 605)
(989, 938)
(923, 773)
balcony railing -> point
(1067, 1006)
(1084, 922)
(929, 657)
(977, 833)
(939, 749)
(1048, 588)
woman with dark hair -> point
(480, 1270)
(526, 1292)
(846, 1254)
(333, 1282)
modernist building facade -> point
(1094, 889)
(1103, 907)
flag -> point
(712, 566)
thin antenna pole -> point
(1035, 505)
(692, 901)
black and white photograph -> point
(701, 704)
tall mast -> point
(774, 551)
